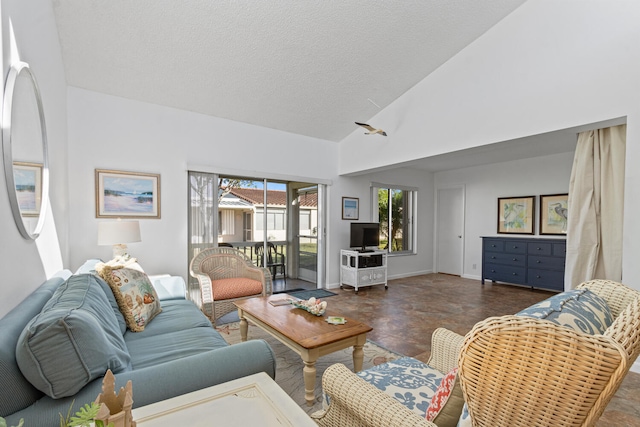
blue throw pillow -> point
(578, 309)
(74, 339)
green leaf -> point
(85, 415)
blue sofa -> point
(178, 351)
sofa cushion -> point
(235, 287)
(408, 380)
(177, 315)
(16, 392)
(73, 340)
(446, 405)
(578, 309)
(89, 267)
(136, 297)
(152, 350)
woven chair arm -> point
(206, 292)
(445, 350)
(534, 360)
(267, 280)
(356, 403)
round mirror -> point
(24, 150)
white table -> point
(255, 400)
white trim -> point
(259, 175)
(394, 186)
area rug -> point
(316, 293)
(289, 365)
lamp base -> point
(119, 249)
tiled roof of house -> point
(274, 197)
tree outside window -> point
(395, 218)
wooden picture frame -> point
(516, 215)
(350, 208)
(28, 181)
(121, 194)
(553, 214)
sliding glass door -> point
(247, 212)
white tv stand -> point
(358, 269)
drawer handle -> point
(539, 249)
(538, 277)
(538, 261)
(493, 257)
(493, 246)
(515, 259)
(515, 247)
(515, 274)
(493, 271)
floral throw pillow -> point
(136, 296)
(446, 404)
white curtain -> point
(596, 201)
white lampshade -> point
(118, 233)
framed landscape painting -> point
(28, 181)
(516, 215)
(122, 194)
(553, 214)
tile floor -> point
(404, 316)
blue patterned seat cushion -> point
(408, 380)
(578, 309)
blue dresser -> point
(535, 262)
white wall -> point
(549, 65)
(25, 264)
(107, 132)
(484, 184)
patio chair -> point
(275, 259)
(226, 275)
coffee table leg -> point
(244, 326)
(309, 372)
(358, 354)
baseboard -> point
(635, 368)
(471, 276)
(415, 273)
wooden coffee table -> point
(308, 335)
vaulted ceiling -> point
(309, 67)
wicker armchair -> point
(514, 371)
(214, 264)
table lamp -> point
(118, 233)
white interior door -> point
(450, 230)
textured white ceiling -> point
(310, 67)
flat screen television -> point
(364, 235)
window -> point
(226, 222)
(275, 219)
(395, 213)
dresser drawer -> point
(546, 279)
(506, 259)
(515, 247)
(560, 249)
(539, 248)
(546, 262)
(491, 245)
(505, 273)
